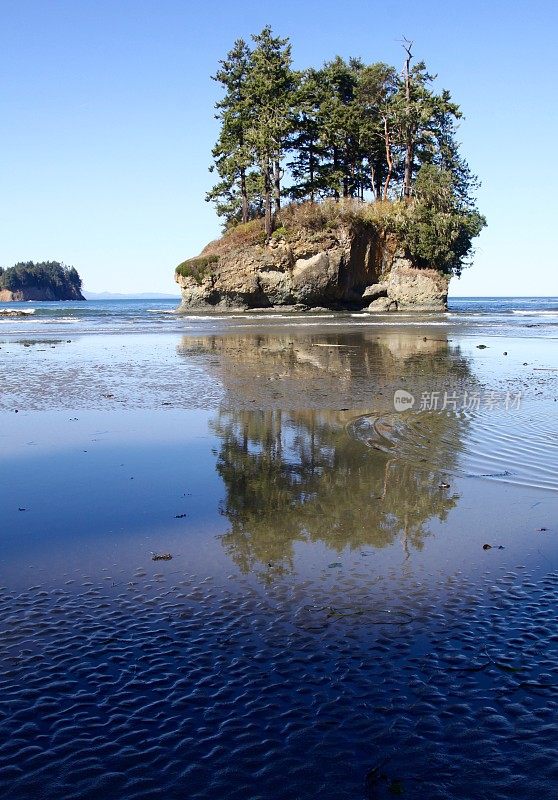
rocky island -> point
(47, 280)
(340, 187)
(333, 255)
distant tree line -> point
(46, 275)
(345, 130)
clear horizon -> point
(450, 296)
(109, 126)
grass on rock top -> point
(197, 268)
(439, 239)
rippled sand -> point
(360, 603)
(169, 684)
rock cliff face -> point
(346, 266)
(37, 294)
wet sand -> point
(331, 622)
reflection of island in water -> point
(325, 369)
(300, 476)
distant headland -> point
(48, 280)
(339, 186)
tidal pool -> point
(359, 603)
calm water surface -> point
(331, 623)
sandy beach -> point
(358, 595)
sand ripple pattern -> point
(176, 687)
(519, 448)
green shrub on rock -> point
(197, 268)
(439, 225)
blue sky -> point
(107, 124)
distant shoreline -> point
(139, 296)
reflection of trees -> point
(300, 476)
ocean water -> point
(354, 600)
(332, 622)
(503, 315)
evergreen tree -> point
(305, 141)
(232, 154)
(339, 125)
(441, 229)
(63, 281)
(439, 146)
(271, 86)
(376, 85)
(422, 124)
(351, 130)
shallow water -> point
(519, 448)
(510, 316)
(331, 623)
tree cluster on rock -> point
(49, 276)
(345, 130)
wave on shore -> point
(17, 312)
